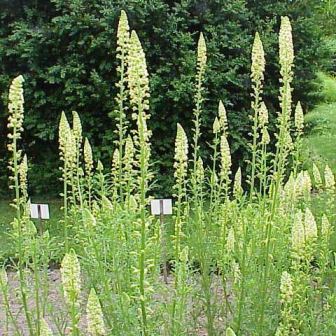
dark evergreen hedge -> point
(65, 49)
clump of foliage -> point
(65, 51)
(241, 261)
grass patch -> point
(318, 144)
(7, 214)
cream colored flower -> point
(263, 115)
(286, 288)
(63, 134)
(100, 166)
(88, 218)
(71, 282)
(199, 173)
(286, 52)
(326, 228)
(329, 179)
(70, 153)
(123, 35)
(237, 186)
(265, 138)
(181, 153)
(298, 118)
(317, 176)
(3, 277)
(201, 55)
(23, 171)
(137, 74)
(303, 185)
(133, 204)
(230, 241)
(298, 232)
(88, 158)
(236, 272)
(77, 128)
(115, 164)
(229, 332)
(95, 318)
(258, 60)
(310, 226)
(15, 106)
(225, 157)
(216, 126)
(222, 116)
(306, 183)
(45, 330)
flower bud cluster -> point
(71, 281)
(88, 158)
(95, 319)
(225, 158)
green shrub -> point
(328, 87)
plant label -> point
(161, 207)
(39, 211)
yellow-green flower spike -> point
(88, 158)
(77, 127)
(230, 332)
(3, 278)
(326, 228)
(122, 35)
(265, 137)
(310, 226)
(317, 177)
(199, 171)
(216, 126)
(115, 161)
(298, 118)
(225, 157)
(230, 241)
(258, 60)
(23, 171)
(88, 218)
(95, 319)
(100, 166)
(137, 74)
(44, 329)
(201, 54)
(286, 51)
(237, 186)
(286, 288)
(222, 116)
(15, 105)
(263, 115)
(63, 133)
(329, 179)
(71, 281)
(181, 153)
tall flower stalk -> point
(257, 77)
(88, 161)
(284, 142)
(63, 139)
(15, 127)
(71, 283)
(138, 84)
(123, 42)
(201, 67)
(180, 174)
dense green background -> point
(65, 49)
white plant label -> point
(162, 206)
(39, 211)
